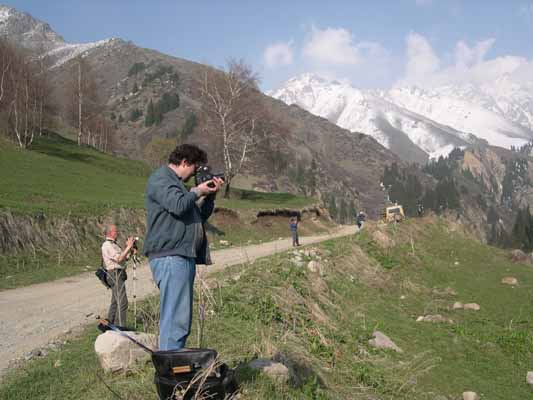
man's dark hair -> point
(188, 152)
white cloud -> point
(278, 54)
(424, 66)
(421, 59)
(331, 46)
(336, 46)
(466, 56)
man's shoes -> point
(102, 328)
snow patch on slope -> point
(69, 51)
(4, 13)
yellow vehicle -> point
(393, 214)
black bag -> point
(101, 274)
(176, 369)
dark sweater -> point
(174, 221)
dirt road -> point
(32, 316)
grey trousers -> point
(119, 300)
(295, 240)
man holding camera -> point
(114, 259)
(176, 240)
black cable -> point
(108, 387)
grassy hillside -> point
(381, 280)
(58, 177)
(56, 197)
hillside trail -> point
(33, 316)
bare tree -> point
(233, 109)
(23, 90)
(82, 102)
(6, 63)
(23, 98)
(43, 89)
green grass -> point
(27, 269)
(270, 307)
(57, 177)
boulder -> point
(510, 280)
(298, 262)
(457, 305)
(274, 370)
(472, 306)
(437, 318)
(529, 378)
(470, 396)
(381, 341)
(119, 354)
(518, 256)
(382, 239)
(315, 267)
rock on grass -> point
(381, 341)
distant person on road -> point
(361, 218)
(114, 260)
(420, 209)
(176, 239)
(293, 223)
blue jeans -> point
(174, 277)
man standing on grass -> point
(176, 240)
(114, 259)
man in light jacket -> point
(114, 259)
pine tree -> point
(333, 207)
(188, 126)
(312, 177)
(135, 114)
(149, 118)
(343, 211)
(135, 88)
(158, 115)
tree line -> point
(26, 93)
(403, 185)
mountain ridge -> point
(432, 121)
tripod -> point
(136, 262)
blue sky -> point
(369, 43)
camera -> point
(204, 174)
(135, 240)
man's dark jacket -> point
(174, 221)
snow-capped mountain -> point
(416, 123)
(469, 109)
(408, 134)
(29, 32)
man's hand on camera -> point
(208, 187)
(129, 243)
